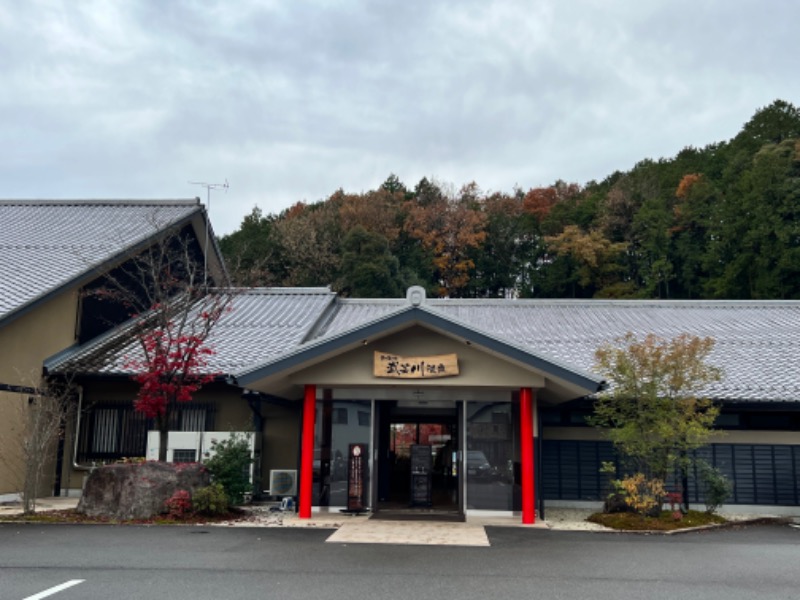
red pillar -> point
(307, 452)
(526, 455)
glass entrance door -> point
(418, 464)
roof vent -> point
(415, 295)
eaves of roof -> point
(106, 343)
(402, 318)
(104, 355)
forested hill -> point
(716, 222)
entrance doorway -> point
(418, 461)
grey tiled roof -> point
(45, 245)
(351, 313)
(262, 323)
(757, 343)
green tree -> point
(510, 244)
(229, 466)
(393, 185)
(756, 229)
(770, 125)
(696, 198)
(593, 256)
(654, 411)
(651, 230)
(368, 270)
(252, 254)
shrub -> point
(645, 496)
(615, 493)
(211, 500)
(179, 505)
(229, 466)
(675, 499)
(716, 487)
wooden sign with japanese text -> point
(356, 478)
(415, 367)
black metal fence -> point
(765, 474)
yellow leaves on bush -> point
(642, 494)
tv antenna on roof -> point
(209, 187)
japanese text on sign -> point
(415, 367)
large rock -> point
(138, 491)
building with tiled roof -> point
(454, 406)
(275, 343)
(47, 246)
(50, 252)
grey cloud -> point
(291, 101)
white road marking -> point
(55, 590)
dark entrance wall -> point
(761, 474)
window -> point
(184, 456)
(490, 455)
(193, 419)
(113, 431)
(106, 433)
(339, 416)
(333, 436)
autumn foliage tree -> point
(656, 410)
(173, 364)
(593, 255)
(166, 290)
(309, 236)
(712, 222)
(449, 226)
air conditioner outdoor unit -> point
(282, 482)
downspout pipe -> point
(75, 465)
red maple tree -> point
(166, 292)
(171, 371)
(174, 360)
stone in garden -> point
(138, 490)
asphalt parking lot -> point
(199, 563)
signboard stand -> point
(356, 479)
(421, 475)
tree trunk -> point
(163, 437)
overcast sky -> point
(290, 100)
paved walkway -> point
(42, 504)
(421, 533)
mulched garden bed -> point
(664, 522)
